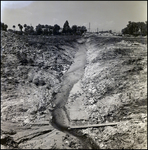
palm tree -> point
(25, 25)
(13, 27)
(21, 27)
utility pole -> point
(97, 30)
(89, 27)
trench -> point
(60, 118)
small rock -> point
(67, 142)
(27, 120)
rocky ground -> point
(112, 89)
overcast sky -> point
(104, 15)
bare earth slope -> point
(31, 72)
(112, 87)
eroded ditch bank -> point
(60, 116)
(112, 88)
(109, 58)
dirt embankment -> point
(113, 88)
(31, 73)
(32, 68)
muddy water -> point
(60, 117)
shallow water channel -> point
(60, 117)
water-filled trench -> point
(60, 118)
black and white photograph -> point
(73, 74)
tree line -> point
(47, 29)
(135, 28)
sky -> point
(104, 15)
